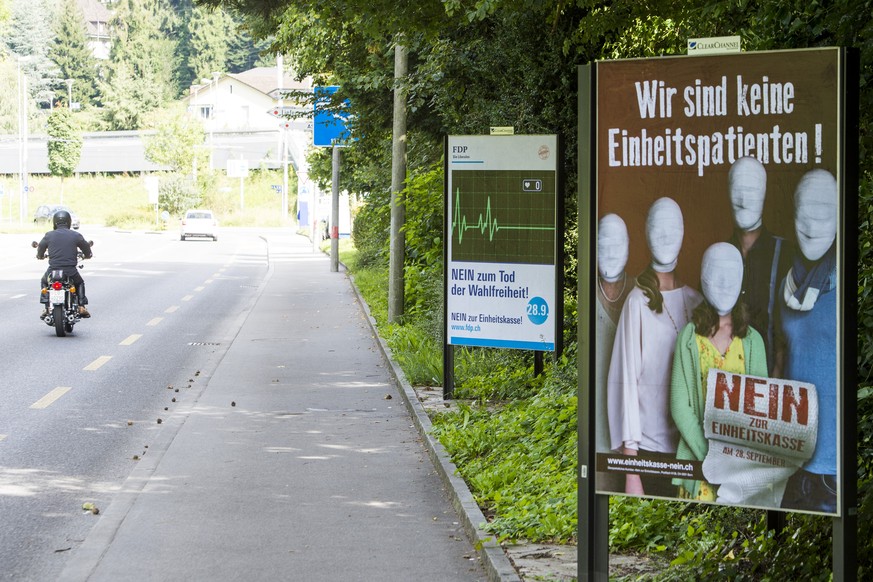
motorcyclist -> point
(63, 245)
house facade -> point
(244, 101)
(97, 18)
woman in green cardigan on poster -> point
(719, 336)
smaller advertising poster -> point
(501, 216)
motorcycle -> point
(63, 300)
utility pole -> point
(397, 253)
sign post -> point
(330, 130)
(239, 169)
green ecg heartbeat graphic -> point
(485, 223)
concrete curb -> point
(497, 564)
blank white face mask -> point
(664, 233)
(815, 213)
(747, 182)
(612, 247)
(721, 276)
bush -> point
(177, 194)
(519, 459)
(371, 231)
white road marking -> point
(187, 298)
(51, 397)
(208, 282)
(19, 296)
(171, 309)
(97, 363)
(199, 289)
(2, 436)
(130, 339)
(155, 321)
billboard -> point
(501, 224)
(718, 288)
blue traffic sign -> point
(329, 128)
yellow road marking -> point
(171, 309)
(50, 398)
(130, 339)
(155, 321)
(97, 363)
(187, 298)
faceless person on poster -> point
(766, 257)
(808, 319)
(719, 336)
(642, 357)
(612, 290)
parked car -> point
(45, 212)
(199, 222)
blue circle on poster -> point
(537, 310)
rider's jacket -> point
(62, 245)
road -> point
(75, 412)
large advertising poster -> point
(501, 215)
(718, 290)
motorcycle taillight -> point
(57, 285)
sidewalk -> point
(301, 459)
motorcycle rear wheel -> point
(60, 319)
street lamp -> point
(23, 134)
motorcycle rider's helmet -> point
(62, 218)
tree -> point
(142, 72)
(245, 53)
(70, 52)
(64, 144)
(29, 40)
(5, 13)
(178, 141)
(208, 43)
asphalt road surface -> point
(76, 412)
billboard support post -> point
(593, 547)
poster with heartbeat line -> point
(503, 215)
(501, 237)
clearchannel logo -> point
(722, 44)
